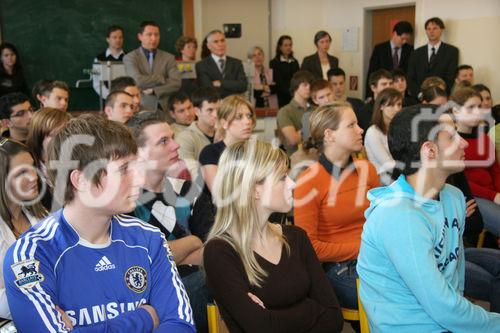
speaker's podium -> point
(105, 72)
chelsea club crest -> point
(136, 279)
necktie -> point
(150, 59)
(395, 58)
(222, 64)
(433, 55)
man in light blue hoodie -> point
(411, 262)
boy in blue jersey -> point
(86, 268)
(411, 262)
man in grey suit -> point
(218, 70)
(155, 71)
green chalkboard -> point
(58, 39)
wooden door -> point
(383, 20)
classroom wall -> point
(253, 16)
(472, 27)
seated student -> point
(15, 115)
(336, 77)
(432, 81)
(465, 73)
(127, 84)
(484, 91)
(235, 121)
(411, 261)
(163, 205)
(201, 132)
(289, 118)
(265, 277)
(39, 87)
(181, 111)
(483, 178)
(114, 52)
(321, 93)
(330, 197)
(44, 126)
(400, 83)
(118, 107)
(387, 105)
(378, 81)
(54, 95)
(434, 95)
(126, 278)
(11, 71)
(19, 209)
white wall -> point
(253, 16)
(472, 27)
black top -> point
(211, 153)
(365, 116)
(474, 223)
(12, 83)
(312, 64)
(296, 293)
(282, 74)
(102, 57)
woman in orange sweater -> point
(330, 197)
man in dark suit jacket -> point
(218, 70)
(154, 70)
(436, 58)
(392, 54)
(312, 63)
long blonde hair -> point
(242, 167)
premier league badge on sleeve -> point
(137, 279)
(27, 273)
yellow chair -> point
(480, 240)
(357, 315)
(215, 322)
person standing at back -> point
(284, 65)
(436, 58)
(154, 71)
(392, 54)
(219, 70)
(320, 62)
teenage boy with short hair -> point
(411, 262)
(201, 133)
(166, 202)
(118, 107)
(15, 115)
(321, 94)
(127, 84)
(55, 95)
(87, 267)
(181, 110)
(289, 117)
(378, 81)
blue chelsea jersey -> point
(101, 288)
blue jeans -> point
(342, 277)
(482, 276)
(490, 212)
(198, 298)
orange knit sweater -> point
(331, 211)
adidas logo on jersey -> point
(104, 264)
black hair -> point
(335, 72)
(203, 94)
(144, 24)
(462, 67)
(278, 46)
(377, 75)
(407, 134)
(436, 20)
(121, 83)
(321, 34)
(403, 27)
(114, 28)
(10, 100)
(17, 65)
(299, 77)
(178, 97)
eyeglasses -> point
(21, 113)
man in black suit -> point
(392, 54)
(436, 58)
(218, 70)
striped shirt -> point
(100, 287)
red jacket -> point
(482, 169)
